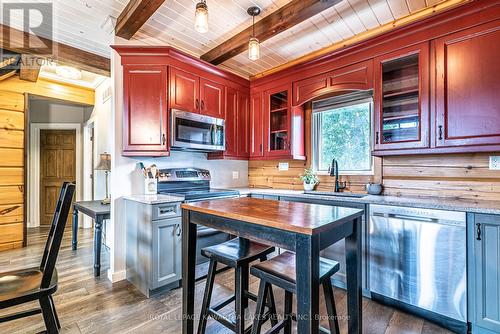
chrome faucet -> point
(334, 171)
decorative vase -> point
(374, 188)
(309, 186)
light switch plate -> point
(236, 175)
(283, 166)
(495, 162)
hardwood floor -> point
(93, 305)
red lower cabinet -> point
(468, 87)
(145, 117)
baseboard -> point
(116, 276)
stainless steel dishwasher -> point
(418, 259)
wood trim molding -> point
(33, 170)
(280, 20)
(362, 37)
(134, 15)
(62, 53)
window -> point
(342, 131)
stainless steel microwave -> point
(195, 132)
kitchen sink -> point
(332, 193)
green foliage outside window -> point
(345, 136)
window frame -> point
(316, 140)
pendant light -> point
(253, 43)
(201, 17)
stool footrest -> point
(223, 303)
(222, 319)
(251, 296)
(276, 328)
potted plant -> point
(310, 179)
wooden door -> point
(145, 117)
(277, 119)
(231, 122)
(57, 164)
(401, 99)
(184, 91)
(211, 98)
(256, 126)
(243, 125)
(468, 86)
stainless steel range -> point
(194, 185)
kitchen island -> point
(305, 229)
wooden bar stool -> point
(280, 271)
(237, 253)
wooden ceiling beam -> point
(282, 19)
(134, 15)
(12, 39)
(29, 68)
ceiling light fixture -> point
(253, 43)
(68, 72)
(201, 17)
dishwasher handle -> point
(418, 218)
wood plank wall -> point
(458, 176)
(12, 126)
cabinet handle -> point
(440, 132)
(163, 139)
(202, 104)
(260, 148)
(178, 228)
(376, 138)
(478, 232)
(197, 104)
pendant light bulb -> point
(253, 49)
(253, 43)
(201, 17)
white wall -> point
(122, 173)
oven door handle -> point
(209, 199)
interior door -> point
(184, 90)
(57, 165)
(467, 86)
(211, 98)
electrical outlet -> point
(236, 175)
(283, 166)
(495, 162)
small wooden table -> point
(305, 229)
(99, 212)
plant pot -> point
(309, 186)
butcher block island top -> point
(288, 216)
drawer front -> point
(167, 210)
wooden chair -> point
(237, 253)
(26, 285)
(280, 271)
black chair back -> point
(53, 225)
(56, 233)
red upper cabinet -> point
(184, 90)
(353, 77)
(231, 125)
(283, 125)
(243, 125)
(401, 98)
(468, 87)
(256, 126)
(145, 118)
(211, 98)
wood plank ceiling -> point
(85, 24)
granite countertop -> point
(488, 207)
(154, 199)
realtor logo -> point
(31, 28)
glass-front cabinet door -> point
(402, 99)
(278, 121)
